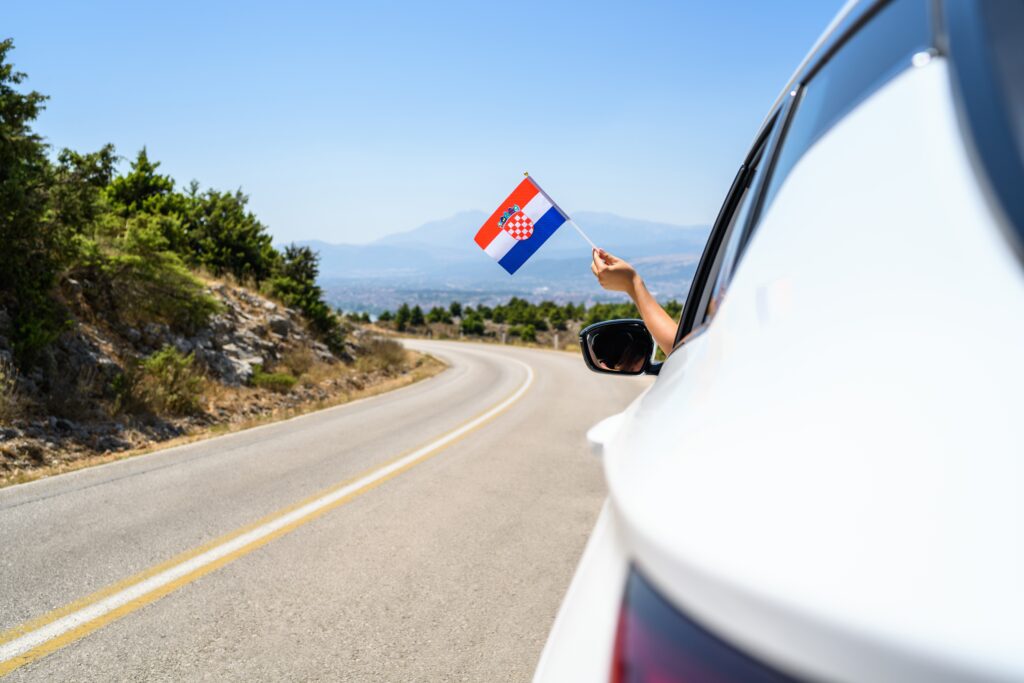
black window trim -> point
(789, 106)
(718, 230)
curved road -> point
(287, 552)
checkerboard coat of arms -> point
(516, 224)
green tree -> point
(224, 236)
(673, 308)
(557, 319)
(300, 264)
(472, 324)
(546, 308)
(385, 316)
(142, 188)
(34, 246)
(416, 316)
(438, 315)
(294, 282)
(402, 317)
(455, 308)
(77, 195)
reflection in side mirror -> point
(621, 347)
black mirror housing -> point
(619, 347)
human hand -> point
(613, 273)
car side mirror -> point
(621, 347)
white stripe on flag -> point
(536, 207)
(500, 245)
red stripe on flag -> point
(521, 196)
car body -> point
(826, 480)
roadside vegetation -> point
(517, 321)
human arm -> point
(617, 275)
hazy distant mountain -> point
(608, 231)
(441, 257)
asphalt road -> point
(450, 566)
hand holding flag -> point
(521, 224)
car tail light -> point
(655, 643)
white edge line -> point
(54, 629)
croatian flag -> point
(520, 225)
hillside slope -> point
(97, 390)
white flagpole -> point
(569, 220)
(580, 231)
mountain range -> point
(439, 261)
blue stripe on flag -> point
(543, 229)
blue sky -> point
(348, 121)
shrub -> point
(381, 354)
(472, 324)
(167, 382)
(280, 382)
(146, 282)
(439, 315)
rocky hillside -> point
(104, 388)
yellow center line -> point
(50, 632)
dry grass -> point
(71, 394)
(12, 405)
(383, 354)
(299, 361)
(320, 372)
(425, 366)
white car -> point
(826, 480)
